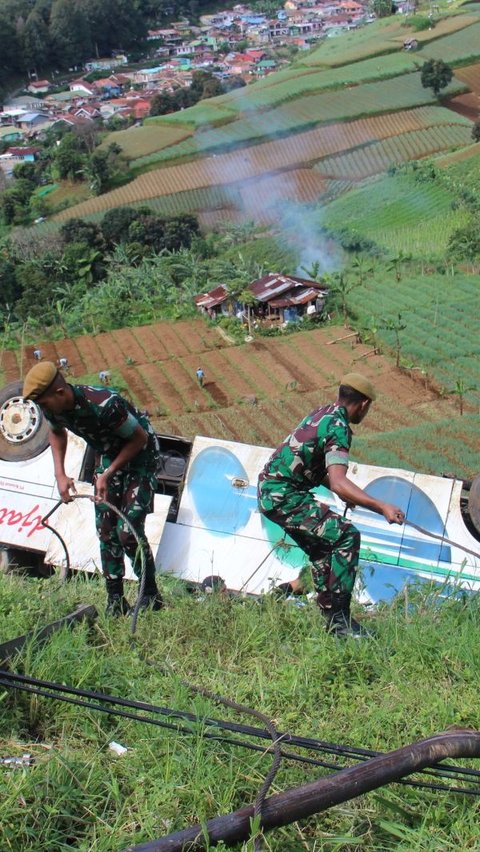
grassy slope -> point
(418, 677)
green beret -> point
(39, 379)
(360, 384)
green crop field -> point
(266, 94)
(441, 317)
(457, 48)
(140, 141)
(377, 38)
(205, 112)
(399, 213)
(377, 157)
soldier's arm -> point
(58, 443)
(341, 485)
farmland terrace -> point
(258, 391)
(348, 110)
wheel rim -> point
(20, 419)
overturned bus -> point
(205, 520)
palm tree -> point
(341, 285)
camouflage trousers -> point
(132, 493)
(331, 543)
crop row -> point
(272, 92)
(377, 157)
(470, 75)
(457, 47)
(141, 141)
(377, 38)
(396, 93)
(392, 200)
(426, 239)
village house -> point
(38, 87)
(107, 63)
(9, 133)
(279, 299)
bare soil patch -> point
(90, 354)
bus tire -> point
(23, 428)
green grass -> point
(418, 676)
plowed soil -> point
(255, 392)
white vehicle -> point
(205, 520)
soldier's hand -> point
(66, 487)
(101, 487)
(393, 514)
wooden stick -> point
(344, 337)
(367, 354)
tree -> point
(36, 41)
(435, 75)
(115, 224)
(69, 33)
(460, 389)
(79, 231)
(68, 158)
(382, 8)
(396, 326)
(341, 285)
(464, 243)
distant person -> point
(200, 376)
(63, 364)
(316, 453)
(37, 354)
(127, 459)
(104, 376)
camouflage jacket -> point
(299, 464)
(105, 420)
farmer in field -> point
(316, 453)
(126, 463)
(200, 376)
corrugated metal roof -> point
(211, 299)
(298, 297)
(273, 285)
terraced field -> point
(235, 168)
(258, 391)
(141, 141)
(384, 211)
(368, 99)
(457, 47)
(377, 157)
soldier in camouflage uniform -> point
(316, 453)
(126, 462)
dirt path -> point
(129, 346)
(148, 339)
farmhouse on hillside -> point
(278, 298)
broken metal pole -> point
(301, 802)
(13, 646)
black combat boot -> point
(151, 598)
(339, 621)
(117, 604)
